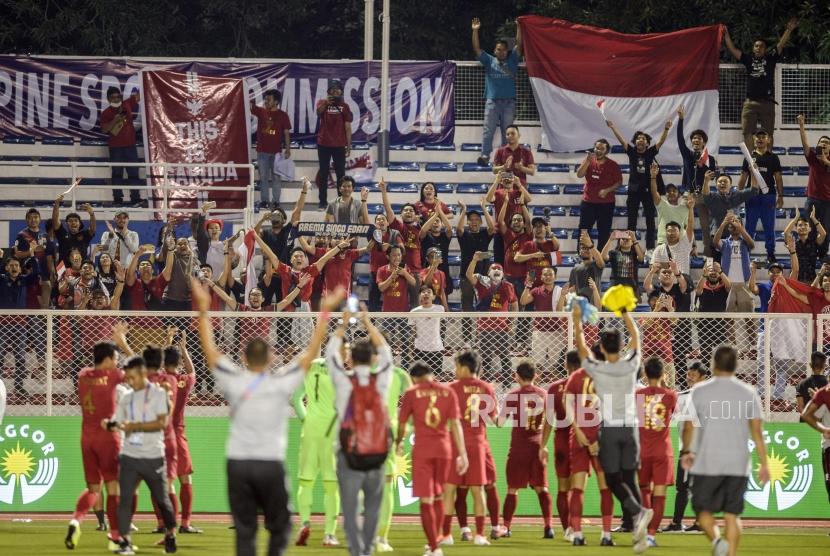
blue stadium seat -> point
(785, 213)
(573, 189)
(440, 167)
(363, 259)
(455, 306)
(472, 188)
(57, 141)
(295, 144)
(444, 188)
(620, 211)
(96, 181)
(474, 167)
(671, 170)
(52, 181)
(15, 181)
(568, 261)
(554, 211)
(360, 146)
(54, 159)
(593, 232)
(17, 158)
(795, 151)
(376, 208)
(699, 235)
(787, 171)
(364, 280)
(470, 147)
(373, 187)
(96, 142)
(624, 168)
(795, 192)
(541, 149)
(402, 187)
(456, 283)
(617, 149)
(696, 262)
(403, 147)
(450, 147)
(779, 151)
(802, 170)
(576, 211)
(542, 189)
(731, 170)
(729, 150)
(19, 140)
(761, 236)
(309, 144)
(404, 166)
(642, 309)
(545, 167)
(623, 190)
(560, 233)
(92, 159)
(454, 260)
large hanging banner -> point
(64, 97)
(196, 119)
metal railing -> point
(43, 351)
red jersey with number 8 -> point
(477, 404)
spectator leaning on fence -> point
(273, 136)
(771, 196)
(818, 180)
(602, 178)
(807, 243)
(334, 138)
(548, 336)
(759, 105)
(500, 69)
(641, 154)
(117, 123)
(712, 293)
(429, 347)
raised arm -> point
(298, 208)
(750, 243)
(321, 262)
(502, 214)
(307, 247)
(266, 252)
(130, 275)
(617, 134)
(119, 336)
(821, 233)
(462, 219)
(471, 269)
(222, 294)
(328, 304)
(789, 241)
(390, 214)
(752, 285)
(579, 336)
(802, 131)
(716, 239)
(690, 223)
(788, 31)
(583, 167)
(655, 194)
(263, 216)
(730, 46)
(115, 299)
(294, 292)
(664, 135)
(167, 273)
(798, 295)
(491, 192)
(364, 206)
(633, 331)
(606, 249)
(648, 281)
(476, 44)
(425, 227)
(488, 218)
(56, 213)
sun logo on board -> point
(790, 474)
(27, 463)
(17, 461)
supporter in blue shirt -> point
(500, 69)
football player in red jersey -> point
(177, 364)
(556, 418)
(477, 404)
(99, 448)
(655, 406)
(526, 407)
(582, 408)
(433, 409)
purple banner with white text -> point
(64, 97)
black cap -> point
(761, 132)
(335, 83)
(538, 220)
(770, 266)
(826, 260)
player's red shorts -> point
(184, 465)
(561, 453)
(170, 456)
(581, 458)
(476, 474)
(524, 468)
(429, 475)
(490, 467)
(100, 456)
(659, 471)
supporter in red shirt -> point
(117, 123)
(655, 406)
(493, 294)
(273, 135)
(384, 237)
(408, 226)
(506, 189)
(538, 253)
(144, 290)
(514, 157)
(334, 137)
(434, 277)
(602, 178)
(525, 405)
(433, 409)
(338, 272)
(818, 181)
(548, 338)
(425, 207)
(395, 280)
(515, 272)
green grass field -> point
(43, 538)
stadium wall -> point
(41, 470)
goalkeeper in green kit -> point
(317, 450)
(399, 384)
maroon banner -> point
(196, 119)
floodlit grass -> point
(43, 538)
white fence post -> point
(49, 363)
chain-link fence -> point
(802, 89)
(43, 353)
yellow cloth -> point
(619, 298)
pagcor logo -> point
(790, 473)
(26, 458)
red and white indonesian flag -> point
(246, 256)
(582, 75)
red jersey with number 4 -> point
(96, 389)
(585, 403)
(162, 378)
(184, 385)
(655, 406)
(477, 404)
(430, 405)
(526, 406)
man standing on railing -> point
(117, 123)
(273, 136)
(602, 178)
(759, 105)
(500, 69)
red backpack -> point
(365, 434)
